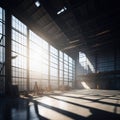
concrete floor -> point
(72, 105)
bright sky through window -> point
(45, 61)
(85, 63)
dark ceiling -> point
(90, 26)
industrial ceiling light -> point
(62, 10)
(37, 3)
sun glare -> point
(37, 62)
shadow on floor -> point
(20, 109)
(38, 116)
(97, 114)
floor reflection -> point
(19, 109)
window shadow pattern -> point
(28, 108)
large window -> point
(61, 70)
(54, 66)
(85, 64)
(2, 50)
(19, 51)
(66, 68)
(37, 61)
(71, 72)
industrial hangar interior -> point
(59, 60)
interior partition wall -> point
(2, 51)
(36, 61)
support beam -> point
(68, 72)
(8, 80)
(115, 55)
(63, 69)
(58, 71)
(48, 65)
(96, 63)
